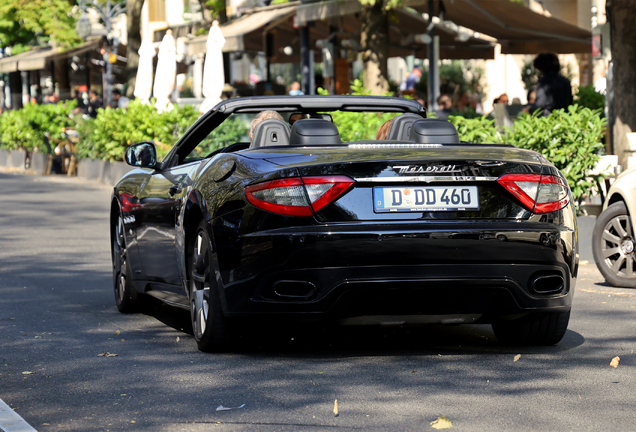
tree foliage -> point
(24, 23)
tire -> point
(126, 297)
(534, 329)
(613, 246)
(209, 325)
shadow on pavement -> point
(329, 339)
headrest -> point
(400, 129)
(433, 131)
(310, 132)
(270, 132)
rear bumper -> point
(466, 275)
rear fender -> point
(195, 210)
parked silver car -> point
(613, 238)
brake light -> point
(538, 193)
(297, 196)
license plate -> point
(428, 198)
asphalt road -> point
(57, 313)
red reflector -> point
(127, 204)
(538, 193)
(297, 196)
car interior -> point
(322, 131)
(318, 129)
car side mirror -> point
(142, 155)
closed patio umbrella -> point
(143, 83)
(213, 74)
(166, 73)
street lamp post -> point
(107, 12)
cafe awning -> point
(255, 21)
(404, 28)
(519, 29)
(37, 58)
(13, 63)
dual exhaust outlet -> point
(545, 284)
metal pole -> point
(109, 66)
(609, 106)
(305, 59)
(433, 55)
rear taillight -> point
(298, 196)
(538, 193)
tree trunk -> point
(62, 78)
(133, 10)
(375, 48)
(622, 15)
(207, 16)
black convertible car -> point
(418, 228)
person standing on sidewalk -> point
(94, 103)
(553, 90)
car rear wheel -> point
(209, 325)
(613, 246)
(533, 329)
(125, 293)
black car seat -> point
(433, 131)
(270, 132)
(400, 129)
(314, 132)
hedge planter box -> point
(104, 171)
(91, 169)
(4, 158)
(117, 171)
(38, 162)
(16, 159)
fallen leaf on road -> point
(335, 408)
(222, 408)
(178, 339)
(107, 354)
(27, 373)
(441, 423)
(517, 357)
(613, 363)
(117, 333)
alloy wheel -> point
(617, 247)
(120, 261)
(200, 286)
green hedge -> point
(570, 139)
(587, 97)
(25, 128)
(107, 136)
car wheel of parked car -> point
(125, 293)
(533, 329)
(613, 246)
(208, 322)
